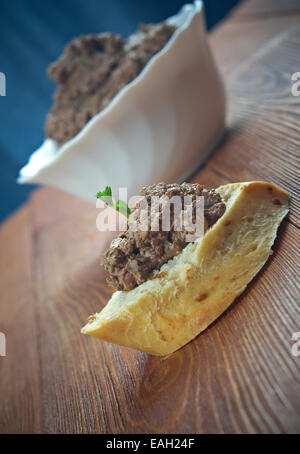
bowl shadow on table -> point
(202, 164)
(228, 134)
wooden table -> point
(239, 375)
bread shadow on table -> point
(148, 382)
(156, 380)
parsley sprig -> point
(106, 197)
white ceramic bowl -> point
(161, 126)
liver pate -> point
(134, 255)
(92, 70)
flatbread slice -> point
(195, 287)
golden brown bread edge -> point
(194, 288)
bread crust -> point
(197, 286)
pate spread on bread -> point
(190, 290)
(136, 253)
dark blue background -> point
(33, 34)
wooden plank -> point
(68, 282)
(224, 381)
(20, 405)
(266, 8)
(263, 138)
(234, 42)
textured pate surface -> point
(136, 253)
(92, 70)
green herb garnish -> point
(123, 208)
(106, 197)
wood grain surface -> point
(263, 8)
(239, 376)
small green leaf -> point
(123, 208)
(106, 197)
(106, 193)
